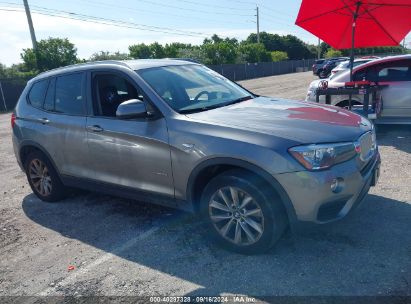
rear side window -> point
(37, 93)
(70, 94)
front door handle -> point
(95, 128)
(44, 121)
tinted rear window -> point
(319, 61)
(37, 93)
(70, 94)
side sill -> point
(126, 192)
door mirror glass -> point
(133, 108)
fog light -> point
(337, 185)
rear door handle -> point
(95, 128)
(44, 121)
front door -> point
(133, 153)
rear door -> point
(65, 117)
(395, 77)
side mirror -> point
(133, 108)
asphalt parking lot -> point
(122, 247)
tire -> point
(256, 226)
(43, 178)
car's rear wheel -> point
(241, 213)
(43, 178)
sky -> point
(188, 21)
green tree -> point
(292, 45)
(51, 53)
(217, 39)
(139, 51)
(102, 55)
(272, 42)
(324, 48)
(156, 51)
(16, 72)
(172, 50)
(296, 48)
(333, 53)
(195, 53)
(219, 52)
(253, 52)
(278, 56)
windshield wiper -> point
(238, 100)
(196, 110)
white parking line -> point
(73, 277)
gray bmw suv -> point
(176, 133)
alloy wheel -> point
(236, 216)
(40, 177)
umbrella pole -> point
(355, 16)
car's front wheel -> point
(43, 178)
(241, 213)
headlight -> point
(323, 156)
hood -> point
(295, 120)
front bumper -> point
(311, 96)
(314, 201)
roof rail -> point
(117, 62)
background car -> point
(345, 65)
(318, 64)
(393, 74)
(325, 71)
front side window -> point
(70, 94)
(368, 73)
(38, 93)
(110, 90)
(193, 88)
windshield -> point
(193, 88)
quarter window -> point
(70, 94)
(49, 102)
(37, 93)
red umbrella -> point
(353, 24)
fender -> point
(248, 166)
(27, 142)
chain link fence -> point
(243, 71)
(10, 91)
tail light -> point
(13, 120)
